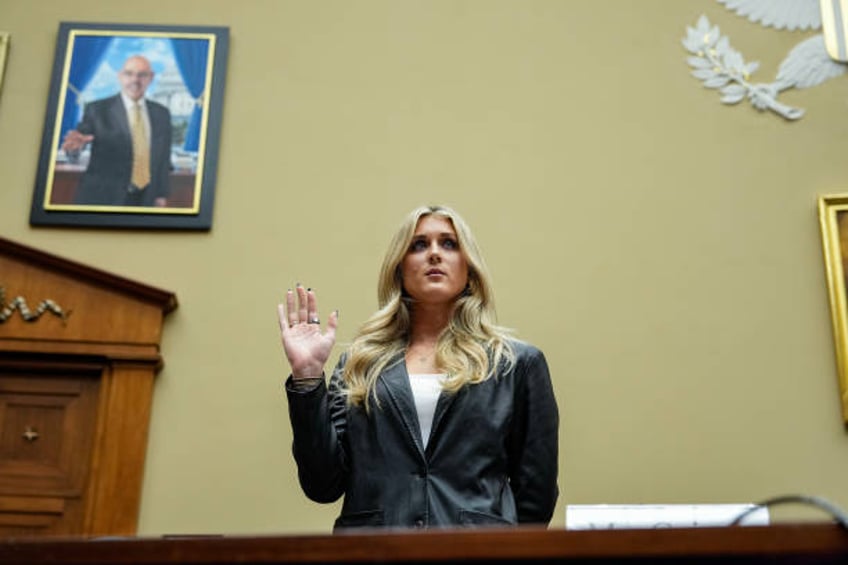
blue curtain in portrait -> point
(87, 56)
(191, 56)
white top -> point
(426, 388)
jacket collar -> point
(396, 380)
(119, 114)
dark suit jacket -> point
(491, 458)
(107, 177)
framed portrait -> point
(833, 217)
(132, 127)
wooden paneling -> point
(46, 433)
(27, 516)
(122, 445)
(47, 423)
(97, 313)
(75, 395)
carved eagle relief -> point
(808, 64)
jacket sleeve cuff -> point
(303, 386)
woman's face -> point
(434, 270)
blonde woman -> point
(434, 417)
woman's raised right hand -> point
(307, 347)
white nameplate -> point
(625, 516)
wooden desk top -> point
(790, 543)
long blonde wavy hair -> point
(470, 348)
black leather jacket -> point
(491, 458)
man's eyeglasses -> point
(140, 74)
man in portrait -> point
(130, 139)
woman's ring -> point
(314, 320)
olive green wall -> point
(661, 248)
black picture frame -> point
(189, 63)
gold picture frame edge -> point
(829, 206)
(5, 39)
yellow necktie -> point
(141, 150)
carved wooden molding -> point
(84, 381)
(19, 303)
